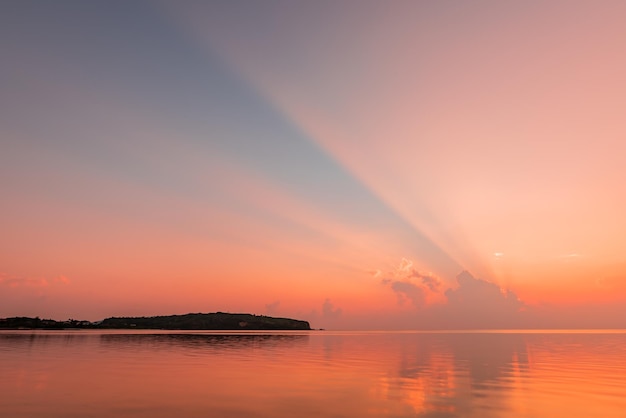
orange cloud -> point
(23, 281)
(410, 284)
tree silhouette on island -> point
(191, 321)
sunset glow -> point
(360, 165)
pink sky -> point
(341, 163)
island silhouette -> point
(190, 321)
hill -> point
(191, 321)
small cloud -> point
(431, 282)
(410, 284)
(31, 282)
(329, 310)
(23, 281)
(406, 265)
(62, 279)
(272, 308)
(376, 273)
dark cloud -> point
(329, 311)
(478, 303)
(431, 282)
(476, 294)
(409, 291)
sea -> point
(87, 373)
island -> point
(191, 321)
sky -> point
(357, 164)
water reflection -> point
(443, 375)
(50, 374)
(490, 358)
(203, 342)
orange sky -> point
(340, 163)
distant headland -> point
(191, 321)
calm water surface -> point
(314, 374)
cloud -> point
(272, 308)
(474, 293)
(478, 303)
(410, 291)
(31, 282)
(376, 273)
(23, 281)
(61, 279)
(410, 284)
(471, 303)
(431, 282)
(329, 311)
(407, 271)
